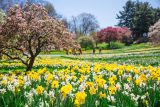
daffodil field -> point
(75, 83)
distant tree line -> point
(133, 27)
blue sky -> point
(104, 10)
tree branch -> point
(30, 46)
(22, 52)
(15, 58)
(40, 45)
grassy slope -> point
(143, 54)
(132, 48)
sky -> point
(104, 10)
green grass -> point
(141, 54)
(133, 47)
(22, 68)
(145, 60)
(12, 68)
(54, 52)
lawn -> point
(143, 54)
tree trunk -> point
(109, 44)
(96, 44)
(31, 62)
(67, 52)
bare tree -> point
(84, 24)
(2, 16)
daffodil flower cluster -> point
(82, 84)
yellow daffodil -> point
(39, 89)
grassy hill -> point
(139, 54)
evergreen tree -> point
(126, 15)
(143, 19)
(156, 15)
(138, 16)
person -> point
(94, 50)
(100, 50)
(74, 51)
(80, 51)
(67, 51)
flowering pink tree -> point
(154, 33)
(28, 31)
(110, 34)
(124, 34)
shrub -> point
(142, 40)
(116, 45)
(86, 42)
(103, 45)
